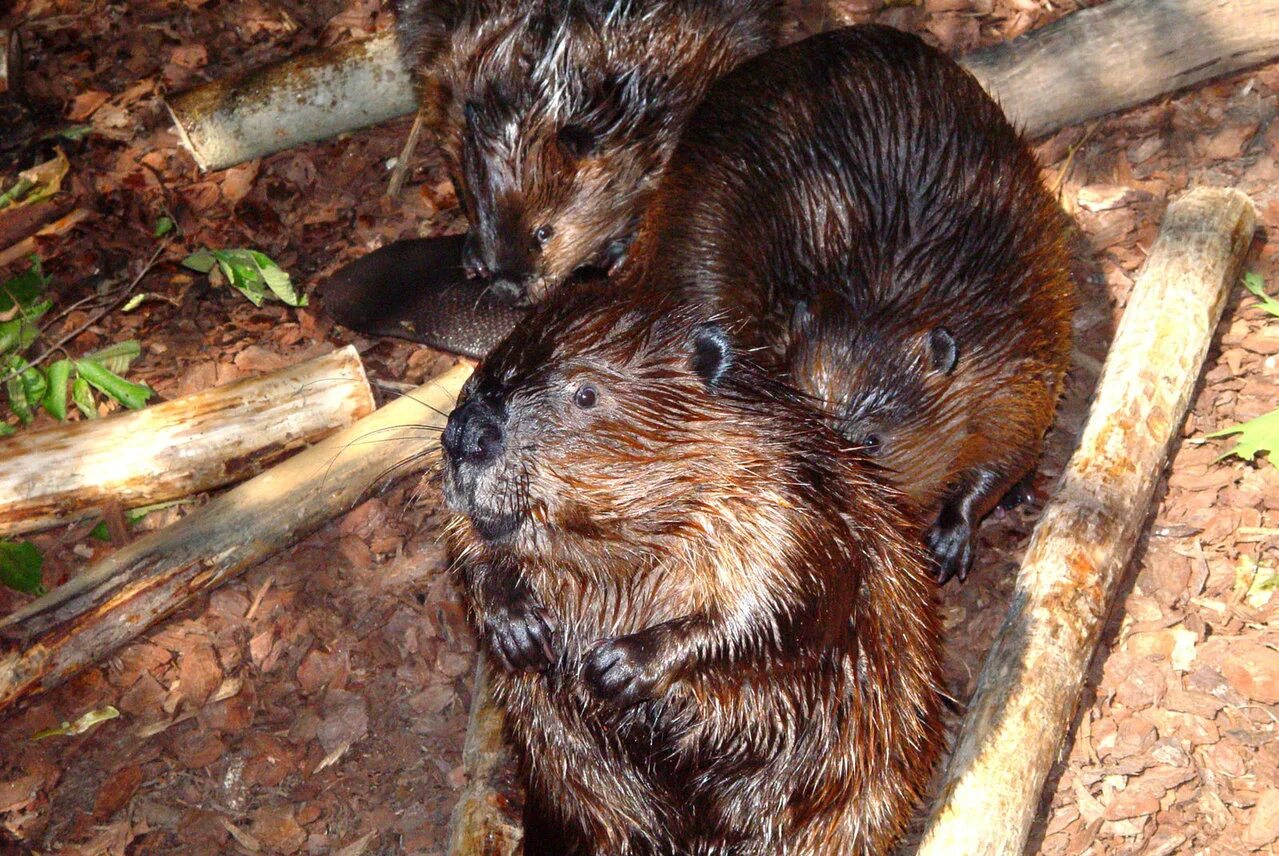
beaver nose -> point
(474, 434)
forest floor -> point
(318, 703)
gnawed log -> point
(30, 245)
(1096, 61)
(488, 818)
(10, 64)
(1032, 678)
(177, 448)
(1121, 54)
(314, 96)
(113, 601)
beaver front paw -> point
(952, 549)
(520, 633)
(627, 670)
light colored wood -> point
(113, 601)
(177, 448)
(487, 820)
(1031, 681)
(1120, 54)
(10, 64)
(311, 97)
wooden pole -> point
(115, 600)
(487, 820)
(1120, 54)
(311, 97)
(1031, 681)
(178, 448)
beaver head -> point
(887, 385)
(597, 429)
(556, 117)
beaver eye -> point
(872, 442)
(542, 235)
(585, 397)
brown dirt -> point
(317, 704)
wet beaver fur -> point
(709, 616)
(556, 117)
(857, 205)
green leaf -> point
(22, 303)
(164, 226)
(201, 262)
(7, 430)
(117, 357)
(26, 387)
(132, 395)
(251, 272)
(100, 532)
(55, 400)
(277, 280)
(1256, 436)
(74, 133)
(89, 720)
(134, 302)
(1254, 283)
(82, 395)
(20, 567)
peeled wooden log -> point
(177, 448)
(311, 97)
(1093, 62)
(113, 601)
(487, 820)
(10, 64)
(1121, 54)
(1032, 679)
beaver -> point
(556, 117)
(709, 613)
(855, 206)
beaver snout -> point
(474, 434)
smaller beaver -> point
(708, 612)
(556, 117)
(863, 183)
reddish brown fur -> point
(561, 114)
(864, 183)
(776, 683)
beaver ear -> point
(943, 350)
(577, 140)
(712, 353)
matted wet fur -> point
(709, 616)
(857, 203)
(556, 117)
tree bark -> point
(311, 97)
(1120, 54)
(177, 448)
(115, 600)
(1031, 681)
(487, 820)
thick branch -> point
(487, 820)
(1121, 54)
(115, 600)
(312, 97)
(1031, 681)
(177, 448)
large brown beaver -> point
(710, 617)
(864, 185)
(556, 117)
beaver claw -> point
(626, 670)
(952, 549)
(520, 634)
